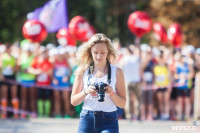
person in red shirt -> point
(61, 84)
(42, 67)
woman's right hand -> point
(90, 90)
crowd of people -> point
(163, 83)
(36, 81)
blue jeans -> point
(98, 122)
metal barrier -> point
(10, 109)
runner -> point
(183, 76)
(162, 84)
(27, 81)
(147, 85)
(43, 68)
(8, 71)
(61, 84)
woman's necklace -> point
(99, 74)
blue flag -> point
(53, 15)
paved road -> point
(70, 126)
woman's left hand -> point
(109, 90)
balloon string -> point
(47, 87)
(137, 41)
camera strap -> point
(91, 68)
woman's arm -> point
(77, 95)
(119, 98)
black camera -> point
(100, 90)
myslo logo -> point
(184, 128)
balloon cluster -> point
(139, 23)
(160, 32)
(174, 34)
(65, 38)
(80, 29)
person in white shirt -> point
(100, 85)
(131, 66)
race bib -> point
(182, 81)
(8, 71)
(160, 78)
(148, 76)
(61, 72)
(42, 77)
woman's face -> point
(99, 52)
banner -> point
(53, 15)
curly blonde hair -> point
(84, 56)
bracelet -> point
(112, 94)
(85, 92)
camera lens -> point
(101, 97)
(101, 91)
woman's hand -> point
(90, 90)
(109, 90)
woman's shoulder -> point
(80, 71)
(115, 67)
(119, 74)
(119, 71)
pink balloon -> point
(34, 30)
(139, 23)
(174, 34)
(80, 29)
(160, 32)
(65, 38)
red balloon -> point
(64, 37)
(34, 30)
(139, 23)
(80, 29)
(174, 34)
(160, 32)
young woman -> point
(98, 115)
(162, 84)
(61, 85)
(131, 66)
(183, 78)
(171, 62)
(27, 81)
(8, 71)
(43, 68)
(147, 86)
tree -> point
(186, 13)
